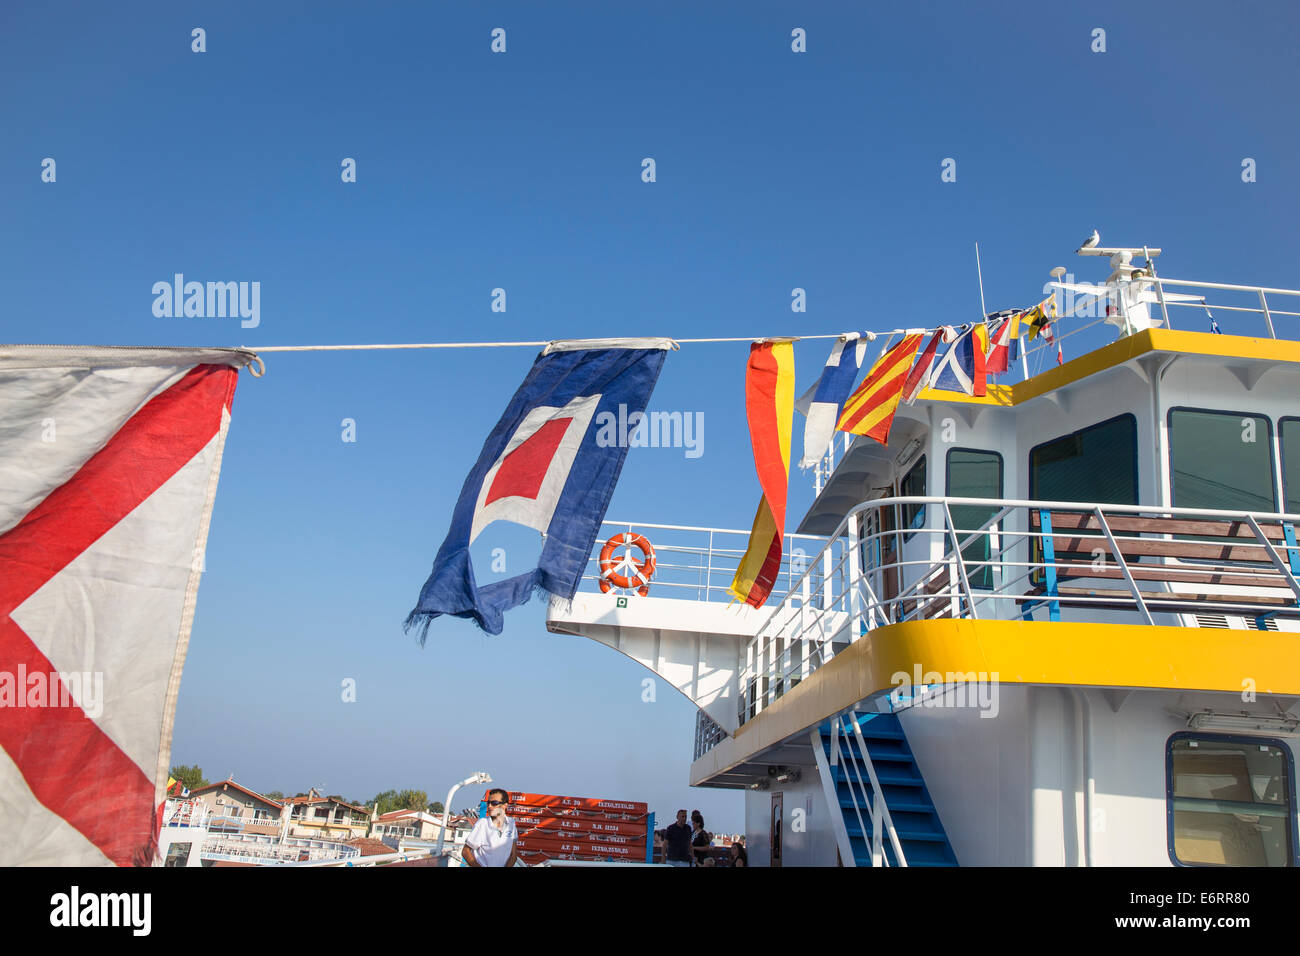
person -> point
(738, 855)
(677, 841)
(492, 841)
(700, 839)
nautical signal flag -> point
(1002, 348)
(769, 407)
(102, 536)
(549, 464)
(870, 410)
(1039, 318)
(824, 402)
(920, 374)
(962, 367)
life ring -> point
(640, 578)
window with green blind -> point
(1097, 463)
(1230, 801)
(974, 474)
(1289, 432)
(1221, 460)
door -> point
(775, 835)
(888, 561)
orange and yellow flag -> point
(870, 410)
(769, 407)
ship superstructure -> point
(1058, 624)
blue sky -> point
(521, 170)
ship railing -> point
(896, 560)
(708, 734)
(185, 813)
(1240, 294)
(849, 752)
(696, 563)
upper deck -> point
(1145, 491)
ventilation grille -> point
(1213, 620)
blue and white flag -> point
(549, 464)
(824, 402)
(962, 367)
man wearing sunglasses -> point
(492, 841)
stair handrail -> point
(836, 752)
(880, 799)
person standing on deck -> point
(492, 841)
(677, 840)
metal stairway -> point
(886, 816)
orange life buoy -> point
(640, 577)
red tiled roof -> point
(242, 789)
(371, 847)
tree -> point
(190, 777)
(275, 795)
(391, 800)
(436, 807)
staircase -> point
(856, 785)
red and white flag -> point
(108, 469)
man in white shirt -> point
(492, 841)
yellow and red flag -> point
(870, 410)
(769, 407)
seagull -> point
(1090, 241)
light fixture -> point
(1209, 720)
(790, 776)
(760, 784)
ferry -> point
(1053, 625)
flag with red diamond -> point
(108, 470)
(550, 463)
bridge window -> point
(974, 474)
(1221, 460)
(1230, 801)
(1097, 463)
(1289, 429)
(913, 486)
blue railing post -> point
(1049, 559)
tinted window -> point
(974, 474)
(1230, 801)
(913, 485)
(1289, 429)
(1098, 463)
(1221, 460)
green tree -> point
(190, 777)
(275, 795)
(436, 807)
(390, 800)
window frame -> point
(986, 571)
(1281, 459)
(1293, 835)
(1273, 452)
(1137, 475)
(909, 532)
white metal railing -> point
(1261, 293)
(222, 846)
(859, 757)
(185, 813)
(698, 564)
(1005, 560)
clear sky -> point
(522, 171)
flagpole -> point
(980, 272)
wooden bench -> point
(1075, 540)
